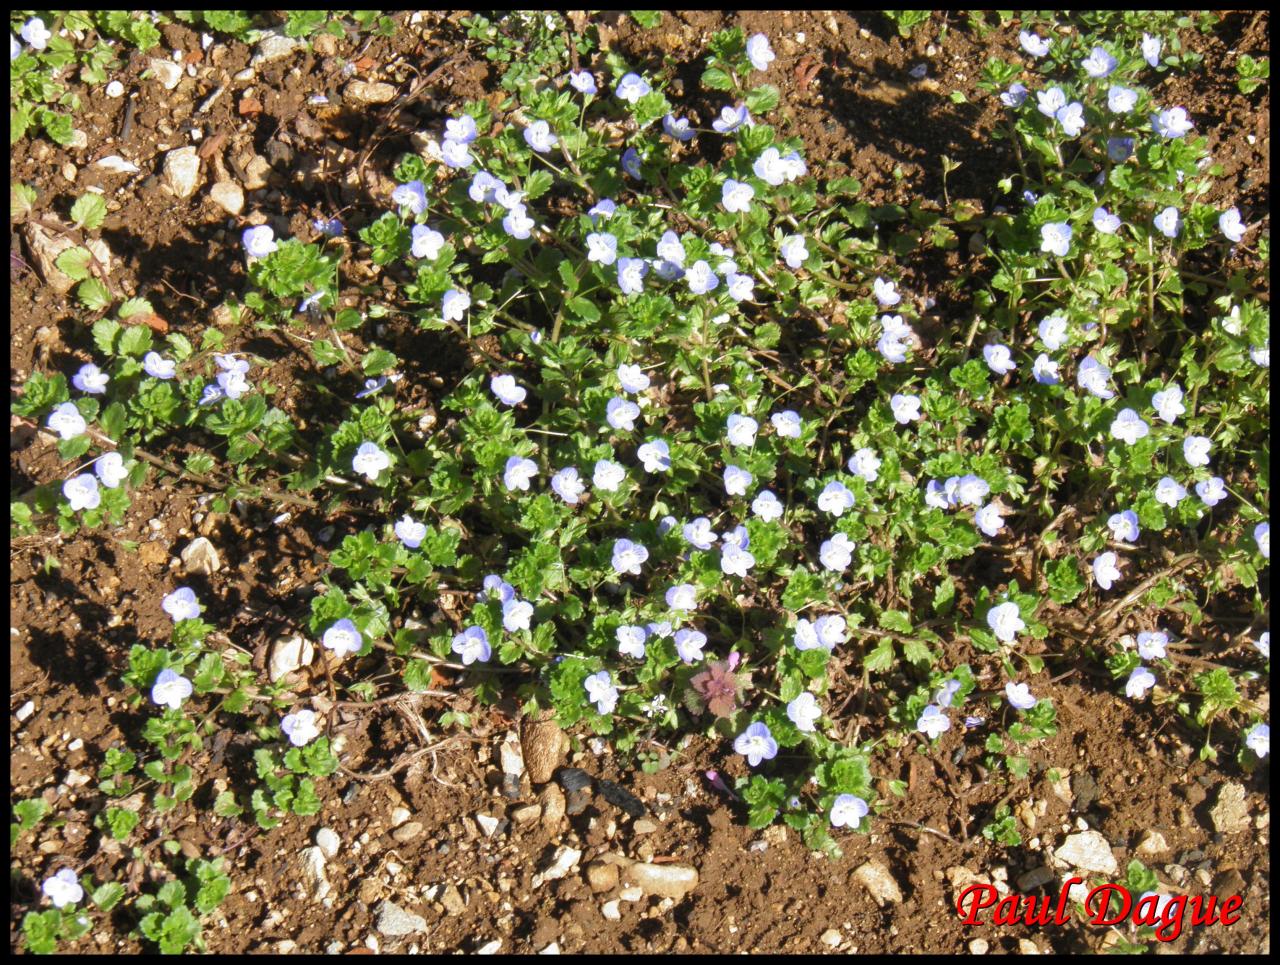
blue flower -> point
(736, 480)
(1033, 43)
(999, 359)
(759, 52)
(793, 250)
(1212, 490)
(82, 492)
(601, 691)
(427, 242)
(682, 596)
(1105, 221)
(655, 456)
(1262, 537)
(847, 811)
(787, 424)
(627, 557)
(517, 223)
(631, 641)
(1045, 370)
(1071, 117)
(769, 167)
(740, 430)
(989, 520)
(836, 553)
(1124, 526)
(885, 292)
(632, 378)
(1151, 644)
(1129, 427)
(699, 533)
(1005, 621)
(608, 475)
(670, 248)
(1050, 100)
(91, 379)
(736, 196)
(1231, 226)
(1099, 63)
(484, 187)
(159, 367)
(1121, 100)
(170, 689)
(1169, 492)
(1151, 47)
(343, 638)
(568, 485)
(1019, 696)
(1195, 449)
(583, 81)
(109, 467)
(1168, 222)
(455, 154)
(1105, 570)
(1257, 739)
(1140, 681)
(700, 278)
(370, 460)
(1055, 238)
(539, 136)
(259, 242)
(1015, 96)
(866, 464)
(678, 128)
(412, 196)
(767, 506)
(689, 644)
(621, 413)
(602, 248)
(516, 615)
(1092, 376)
(835, 498)
(756, 744)
(454, 304)
(461, 129)
(472, 644)
(741, 288)
(631, 272)
(518, 472)
(632, 87)
(410, 531)
(905, 407)
(731, 118)
(804, 712)
(1172, 123)
(1119, 148)
(932, 722)
(602, 210)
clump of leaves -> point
(718, 689)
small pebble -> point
(25, 711)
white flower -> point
(786, 423)
(759, 52)
(181, 604)
(699, 533)
(682, 596)
(1258, 739)
(999, 359)
(1212, 490)
(1019, 696)
(741, 430)
(1071, 117)
(505, 388)
(1053, 332)
(847, 811)
(1099, 63)
(538, 136)
(300, 727)
(1121, 100)
(472, 644)
(370, 460)
(794, 251)
(906, 408)
(736, 196)
(736, 480)
(410, 531)
(170, 689)
(259, 242)
(1151, 47)
(621, 413)
(1092, 376)
(865, 463)
(1170, 492)
(455, 153)
(885, 292)
(804, 712)
(82, 492)
(1231, 226)
(109, 467)
(461, 129)
(806, 636)
(767, 506)
(1168, 403)
(516, 615)
(1124, 526)
(1168, 222)
(631, 641)
(933, 722)
(342, 638)
(1261, 354)
(832, 630)
(1033, 43)
(689, 644)
(700, 278)
(601, 691)
(518, 224)
(1152, 643)
(67, 421)
(1050, 100)
(1195, 449)
(1055, 238)
(608, 475)
(1263, 644)
(1045, 370)
(427, 243)
(454, 304)
(1172, 123)
(627, 557)
(633, 378)
(518, 472)
(1105, 571)
(989, 519)
(1140, 681)
(769, 167)
(91, 379)
(34, 33)
(159, 367)
(835, 498)
(1005, 621)
(1105, 221)
(971, 490)
(655, 456)
(1262, 536)
(63, 888)
(836, 553)
(1129, 427)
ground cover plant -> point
(703, 464)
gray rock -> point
(182, 171)
(201, 557)
(490, 948)
(365, 93)
(313, 862)
(452, 900)
(115, 164)
(1152, 845)
(289, 654)
(1035, 878)
(1087, 851)
(510, 758)
(1230, 814)
(399, 816)
(228, 196)
(274, 46)
(565, 860)
(876, 879)
(394, 921)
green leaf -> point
(584, 308)
(716, 79)
(135, 340)
(74, 263)
(378, 361)
(93, 294)
(762, 99)
(89, 211)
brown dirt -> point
(79, 604)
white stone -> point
(487, 824)
(566, 860)
(76, 744)
(1230, 813)
(876, 879)
(490, 948)
(1087, 851)
(313, 862)
(115, 89)
(116, 165)
(75, 779)
(667, 880)
(399, 816)
(830, 937)
(327, 840)
(290, 654)
(394, 921)
(166, 72)
(979, 946)
(365, 93)
(511, 759)
(552, 949)
(200, 557)
(274, 46)
(228, 196)
(610, 910)
(182, 171)
(45, 248)
(25, 711)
